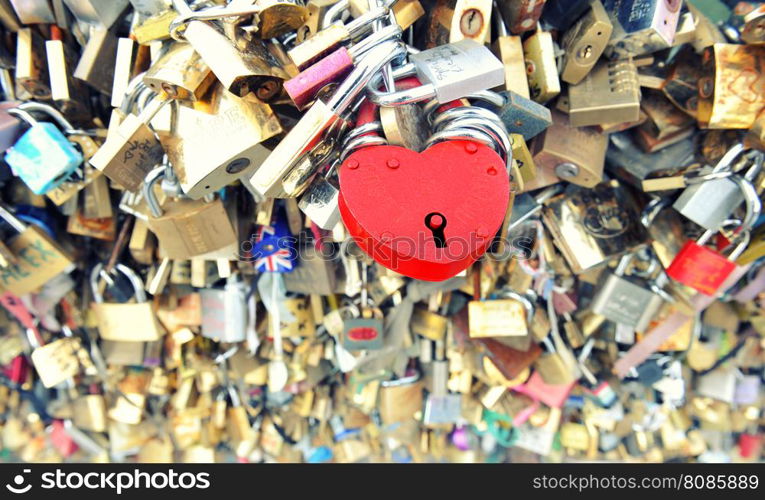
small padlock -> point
(704, 269)
(508, 316)
(42, 157)
(541, 70)
(224, 312)
(584, 42)
(127, 322)
(400, 399)
(180, 73)
(641, 27)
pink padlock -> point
(305, 87)
(552, 395)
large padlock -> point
(39, 258)
(124, 322)
(445, 205)
(625, 302)
(195, 141)
(187, 228)
(42, 157)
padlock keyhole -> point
(436, 222)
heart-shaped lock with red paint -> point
(426, 215)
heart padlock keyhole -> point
(436, 222)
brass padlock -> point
(126, 322)
(238, 126)
(180, 73)
(541, 70)
(584, 42)
(38, 258)
(187, 228)
(570, 153)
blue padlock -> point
(42, 157)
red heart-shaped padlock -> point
(426, 215)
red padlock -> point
(702, 268)
(426, 215)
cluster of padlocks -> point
(382, 230)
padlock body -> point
(700, 268)
(43, 157)
(524, 116)
(223, 318)
(386, 208)
(710, 203)
(625, 302)
(458, 69)
(362, 333)
(304, 87)
(497, 318)
(189, 228)
(39, 259)
(127, 322)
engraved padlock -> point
(448, 72)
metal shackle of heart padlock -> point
(432, 231)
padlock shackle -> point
(148, 190)
(358, 50)
(11, 219)
(334, 13)
(65, 125)
(726, 161)
(357, 81)
(525, 302)
(135, 280)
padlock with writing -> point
(511, 315)
(449, 72)
(641, 26)
(131, 149)
(39, 258)
(704, 269)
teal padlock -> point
(42, 157)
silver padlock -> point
(448, 72)
(625, 302)
(711, 202)
(224, 312)
(320, 201)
